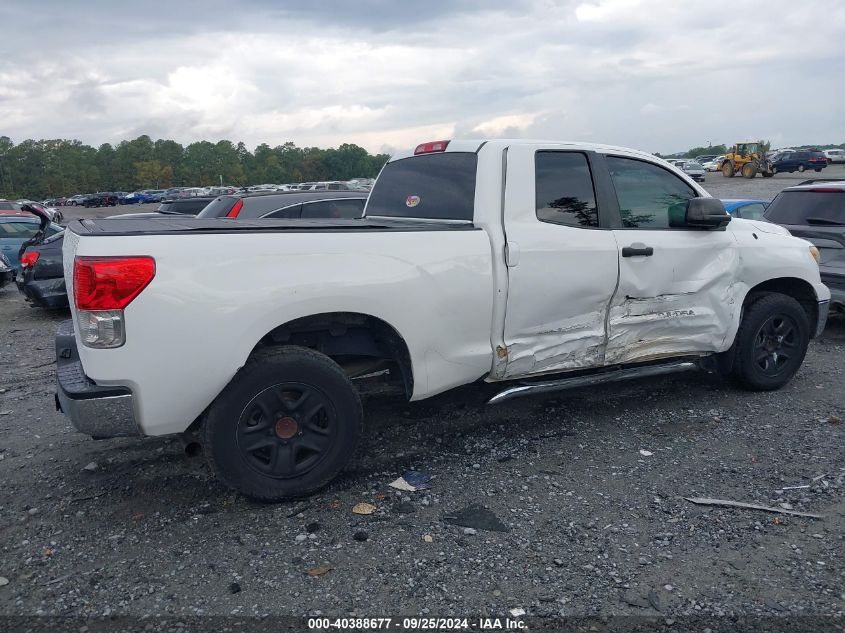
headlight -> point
(814, 252)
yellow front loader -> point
(747, 159)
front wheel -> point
(285, 426)
(771, 342)
(801, 168)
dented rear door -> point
(561, 262)
(676, 290)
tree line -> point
(58, 167)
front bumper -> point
(836, 284)
(96, 410)
(824, 309)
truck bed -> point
(170, 225)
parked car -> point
(714, 165)
(41, 278)
(17, 228)
(692, 169)
(289, 204)
(815, 211)
(746, 209)
(835, 155)
(143, 197)
(799, 161)
(450, 279)
(705, 158)
(6, 270)
(77, 200)
(101, 199)
(191, 192)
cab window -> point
(564, 189)
(650, 197)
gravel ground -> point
(588, 487)
(763, 188)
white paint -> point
(450, 294)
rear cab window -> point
(437, 186)
(564, 189)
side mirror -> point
(706, 213)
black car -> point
(41, 278)
(800, 160)
(288, 204)
(101, 199)
(815, 211)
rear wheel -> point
(771, 342)
(818, 171)
(285, 426)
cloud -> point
(656, 75)
(506, 124)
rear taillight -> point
(29, 259)
(236, 209)
(103, 287)
(433, 146)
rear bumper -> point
(48, 293)
(98, 411)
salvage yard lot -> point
(590, 485)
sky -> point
(656, 75)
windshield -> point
(432, 186)
(807, 207)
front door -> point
(561, 262)
(675, 294)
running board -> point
(615, 375)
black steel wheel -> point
(775, 343)
(285, 426)
(286, 430)
(770, 344)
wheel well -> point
(798, 289)
(359, 343)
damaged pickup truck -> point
(534, 265)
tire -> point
(728, 169)
(285, 426)
(768, 174)
(818, 171)
(801, 168)
(749, 170)
(771, 342)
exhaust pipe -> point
(614, 375)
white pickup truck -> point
(537, 265)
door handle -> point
(637, 250)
